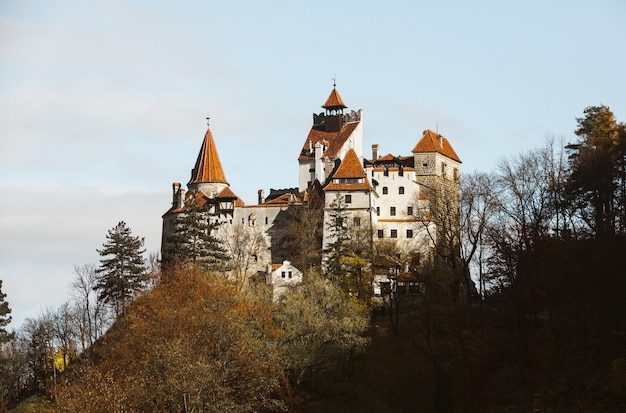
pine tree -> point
(193, 240)
(122, 272)
(337, 228)
(5, 318)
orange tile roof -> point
(334, 100)
(226, 193)
(208, 167)
(335, 140)
(430, 143)
(350, 168)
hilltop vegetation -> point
(542, 237)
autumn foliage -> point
(191, 344)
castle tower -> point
(350, 187)
(208, 175)
(438, 171)
(333, 133)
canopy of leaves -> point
(322, 328)
(191, 344)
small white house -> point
(282, 277)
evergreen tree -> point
(5, 317)
(122, 272)
(337, 227)
(193, 240)
(597, 166)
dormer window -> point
(227, 205)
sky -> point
(103, 104)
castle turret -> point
(208, 175)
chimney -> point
(176, 195)
(261, 195)
(374, 151)
(319, 166)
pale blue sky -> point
(103, 105)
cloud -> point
(46, 229)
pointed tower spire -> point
(334, 101)
(208, 168)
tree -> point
(478, 204)
(296, 235)
(322, 329)
(337, 234)
(597, 170)
(92, 317)
(193, 240)
(122, 273)
(245, 245)
(5, 317)
(37, 335)
(195, 343)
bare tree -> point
(247, 245)
(92, 315)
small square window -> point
(348, 199)
(409, 233)
(356, 222)
(394, 233)
(381, 233)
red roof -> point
(208, 167)
(334, 140)
(433, 142)
(334, 101)
(350, 168)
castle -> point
(405, 199)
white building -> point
(388, 197)
(283, 277)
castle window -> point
(386, 171)
(401, 190)
(457, 175)
(394, 233)
(409, 233)
(392, 211)
(266, 220)
(377, 211)
(282, 275)
(356, 221)
(444, 169)
(348, 199)
(385, 190)
(381, 233)
(289, 274)
(400, 170)
(409, 210)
